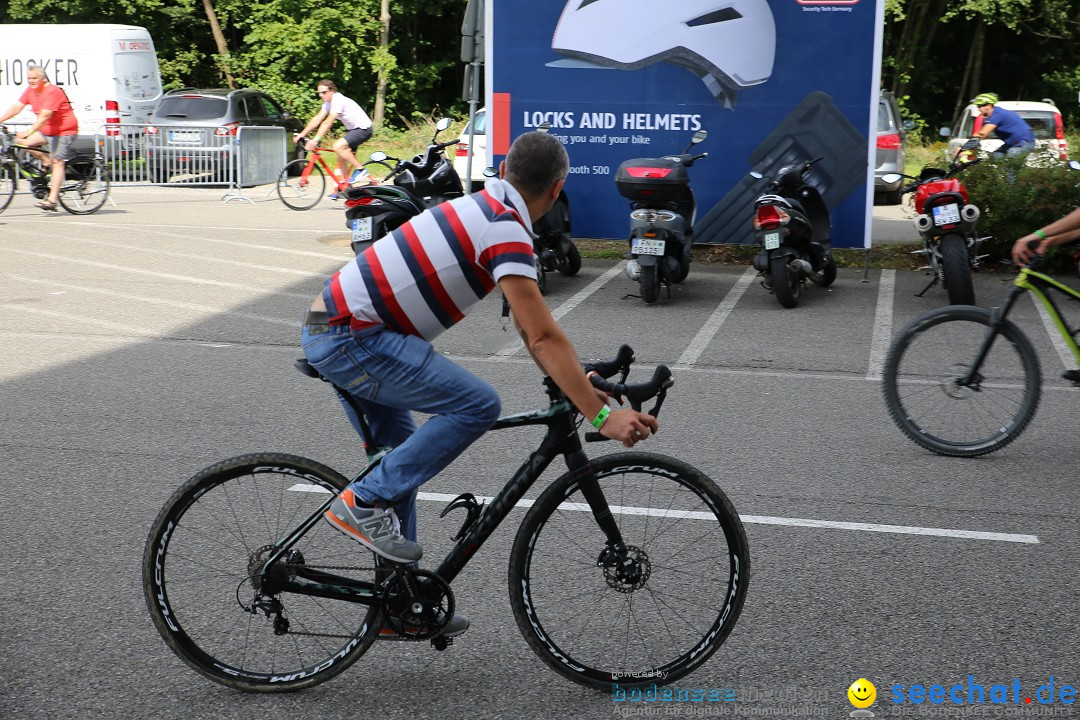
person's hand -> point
(1028, 247)
(21, 134)
(311, 144)
(629, 426)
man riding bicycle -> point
(335, 106)
(370, 332)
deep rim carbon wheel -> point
(920, 376)
(650, 283)
(786, 284)
(7, 185)
(207, 604)
(85, 188)
(957, 270)
(299, 192)
(650, 615)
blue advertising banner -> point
(772, 81)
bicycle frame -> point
(1039, 284)
(317, 158)
(561, 439)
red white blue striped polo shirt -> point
(425, 276)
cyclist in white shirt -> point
(357, 124)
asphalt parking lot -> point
(149, 340)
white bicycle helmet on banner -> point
(729, 44)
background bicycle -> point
(302, 182)
(86, 182)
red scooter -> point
(946, 223)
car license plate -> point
(179, 136)
(647, 246)
(771, 240)
(361, 229)
(947, 214)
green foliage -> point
(1016, 198)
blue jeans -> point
(1022, 149)
(391, 375)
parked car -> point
(187, 131)
(1043, 117)
(891, 133)
(478, 150)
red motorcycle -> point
(946, 223)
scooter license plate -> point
(947, 214)
(361, 229)
(771, 240)
(647, 246)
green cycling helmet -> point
(984, 99)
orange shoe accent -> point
(344, 527)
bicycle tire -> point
(85, 188)
(937, 348)
(299, 192)
(7, 185)
(195, 574)
(676, 523)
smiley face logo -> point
(862, 693)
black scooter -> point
(662, 210)
(792, 228)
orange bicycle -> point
(302, 182)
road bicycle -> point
(302, 182)
(86, 179)
(631, 568)
(965, 381)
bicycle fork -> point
(616, 556)
(972, 378)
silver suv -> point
(189, 131)
(891, 133)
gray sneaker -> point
(377, 529)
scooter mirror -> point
(490, 172)
(971, 144)
(378, 156)
(1074, 164)
(756, 175)
(543, 127)
(699, 136)
(891, 178)
(442, 124)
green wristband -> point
(1040, 234)
(601, 417)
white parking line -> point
(749, 519)
(879, 344)
(712, 325)
(578, 298)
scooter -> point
(424, 181)
(662, 211)
(946, 223)
(792, 228)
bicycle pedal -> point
(440, 643)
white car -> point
(1043, 117)
(478, 149)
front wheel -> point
(85, 188)
(922, 375)
(569, 262)
(785, 283)
(649, 612)
(299, 187)
(826, 276)
(204, 591)
(957, 270)
(7, 185)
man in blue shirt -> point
(1015, 134)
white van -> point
(109, 72)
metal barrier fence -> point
(193, 156)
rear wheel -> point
(648, 612)
(86, 186)
(650, 283)
(298, 189)
(826, 275)
(785, 283)
(204, 585)
(957, 270)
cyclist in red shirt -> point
(55, 125)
